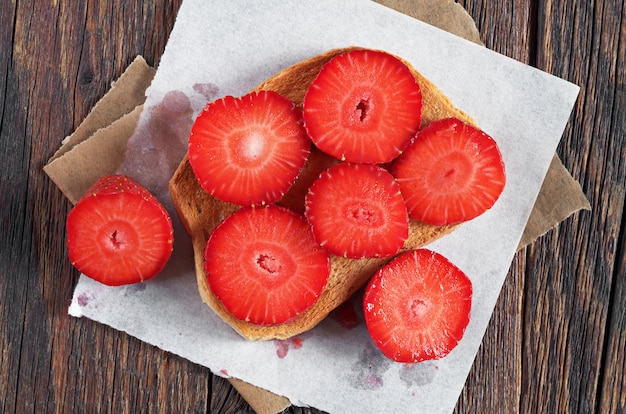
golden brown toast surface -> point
(200, 213)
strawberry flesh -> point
(119, 233)
(248, 150)
(356, 210)
(450, 173)
(264, 266)
(364, 106)
(417, 307)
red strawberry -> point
(417, 307)
(119, 233)
(264, 266)
(450, 173)
(248, 150)
(356, 210)
(364, 106)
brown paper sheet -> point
(97, 148)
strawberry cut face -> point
(264, 265)
(356, 210)
(417, 307)
(364, 106)
(450, 173)
(248, 150)
(119, 233)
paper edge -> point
(557, 173)
(138, 71)
(261, 400)
(59, 169)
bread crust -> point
(200, 213)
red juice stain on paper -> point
(419, 374)
(283, 345)
(373, 381)
(159, 142)
(83, 299)
(368, 370)
(208, 90)
(87, 298)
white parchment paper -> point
(226, 48)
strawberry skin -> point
(118, 233)
(248, 150)
(417, 307)
(364, 106)
(356, 210)
(264, 266)
(450, 173)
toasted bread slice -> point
(200, 213)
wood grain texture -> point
(556, 341)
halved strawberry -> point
(248, 150)
(118, 233)
(417, 307)
(364, 106)
(356, 210)
(264, 266)
(450, 173)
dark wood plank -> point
(15, 224)
(612, 393)
(579, 44)
(612, 398)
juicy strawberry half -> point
(364, 106)
(119, 233)
(264, 266)
(450, 173)
(417, 307)
(356, 210)
(248, 150)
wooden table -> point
(557, 339)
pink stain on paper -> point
(88, 298)
(83, 299)
(419, 374)
(159, 142)
(368, 370)
(284, 345)
(208, 90)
